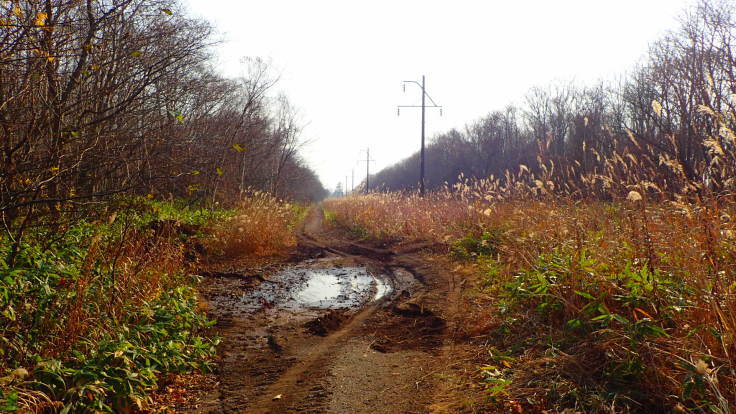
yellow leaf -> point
(41, 19)
(195, 172)
(657, 107)
(167, 11)
(17, 11)
(238, 148)
(219, 171)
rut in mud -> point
(345, 328)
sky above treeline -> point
(342, 63)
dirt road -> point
(341, 328)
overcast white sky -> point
(341, 62)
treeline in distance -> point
(668, 126)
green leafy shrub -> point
(95, 316)
(470, 247)
(580, 301)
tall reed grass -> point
(611, 290)
(263, 225)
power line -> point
(423, 106)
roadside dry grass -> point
(261, 226)
(622, 306)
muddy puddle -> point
(297, 289)
(338, 288)
(307, 290)
(314, 297)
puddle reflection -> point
(330, 288)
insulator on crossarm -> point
(398, 111)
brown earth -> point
(403, 353)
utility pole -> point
(421, 165)
(367, 169)
(423, 106)
(367, 161)
(346, 186)
(352, 180)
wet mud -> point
(302, 288)
(294, 334)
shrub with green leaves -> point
(469, 247)
(579, 302)
(91, 319)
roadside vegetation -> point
(262, 226)
(594, 306)
(600, 227)
(94, 316)
(98, 316)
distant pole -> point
(346, 185)
(367, 161)
(423, 106)
(421, 173)
(367, 168)
(352, 180)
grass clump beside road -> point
(591, 306)
(262, 225)
(93, 316)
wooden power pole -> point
(367, 161)
(423, 106)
